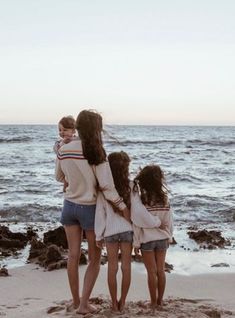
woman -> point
(82, 163)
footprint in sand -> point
(54, 309)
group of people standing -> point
(112, 210)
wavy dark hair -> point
(151, 185)
(119, 164)
(89, 126)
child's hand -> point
(162, 226)
(65, 186)
(126, 214)
(100, 244)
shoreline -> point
(185, 256)
(29, 291)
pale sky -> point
(135, 61)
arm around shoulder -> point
(105, 179)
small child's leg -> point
(126, 249)
(151, 267)
(112, 253)
(161, 276)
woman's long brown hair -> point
(151, 184)
(119, 164)
(89, 126)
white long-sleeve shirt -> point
(144, 233)
(82, 178)
(108, 223)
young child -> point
(67, 132)
(115, 230)
(154, 241)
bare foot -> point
(92, 308)
(114, 307)
(153, 307)
(88, 309)
(70, 307)
(121, 305)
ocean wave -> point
(30, 213)
(182, 177)
(220, 143)
(144, 142)
(15, 139)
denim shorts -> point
(120, 237)
(158, 245)
(78, 214)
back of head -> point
(150, 180)
(89, 126)
(119, 164)
(68, 122)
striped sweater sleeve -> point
(140, 216)
(105, 179)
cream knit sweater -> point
(82, 177)
(144, 233)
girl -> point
(154, 241)
(115, 230)
(80, 163)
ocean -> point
(198, 161)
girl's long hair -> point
(150, 181)
(89, 126)
(119, 164)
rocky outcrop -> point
(209, 239)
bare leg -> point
(112, 253)
(151, 267)
(161, 281)
(126, 249)
(73, 234)
(91, 274)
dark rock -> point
(57, 265)
(6, 233)
(83, 259)
(7, 243)
(3, 272)
(168, 267)
(220, 265)
(209, 239)
(52, 255)
(103, 259)
(57, 237)
(36, 249)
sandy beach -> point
(32, 292)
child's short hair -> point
(68, 122)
